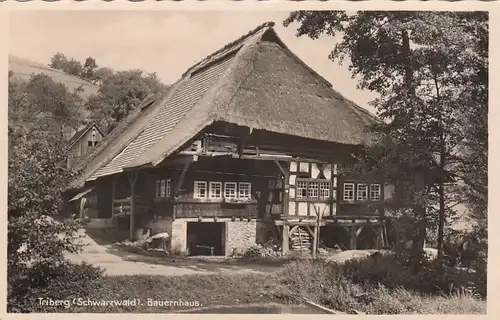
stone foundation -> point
(178, 242)
(240, 235)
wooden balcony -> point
(122, 207)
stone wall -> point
(178, 242)
(240, 235)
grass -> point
(316, 281)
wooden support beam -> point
(132, 179)
(352, 245)
(181, 179)
(285, 246)
(113, 187)
(359, 230)
(315, 243)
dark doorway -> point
(206, 238)
(334, 235)
(367, 238)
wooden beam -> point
(181, 179)
(180, 159)
(113, 187)
(280, 167)
(132, 179)
(315, 243)
(285, 241)
(352, 245)
(359, 230)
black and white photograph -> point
(248, 162)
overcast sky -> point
(163, 42)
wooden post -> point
(113, 185)
(315, 243)
(285, 242)
(132, 178)
(286, 185)
(353, 238)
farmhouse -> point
(82, 142)
(246, 147)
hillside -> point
(23, 68)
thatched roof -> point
(24, 69)
(255, 81)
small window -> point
(163, 188)
(301, 192)
(375, 192)
(216, 190)
(362, 192)
(245, 190)
(168, 188)
(348, 191)
(313, 190)
(200, 189)
(90, 143)
(230, 190)
(324, 190)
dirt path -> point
(118, 262)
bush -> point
(433, 278)
(342, 288)
(58, 283)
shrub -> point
(433, 278)
(62, 283)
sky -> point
(165, 42)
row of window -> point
(305, 189)
(163, 188)
(313, 189)
(232, 190)
(363, 191)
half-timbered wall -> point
(312, 189)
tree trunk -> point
(442, 218)
(420, 226)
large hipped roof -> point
(255, 81)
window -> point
(245, 191)
(230, 190)
(200, 189)
(348, 191)
(301, 189)
(313, 189)
(375, 192)
(362, 192)
(324, 190)
(163, 188)
(216, 190)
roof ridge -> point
(268, 24)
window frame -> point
(235, 189)
(353, 191)
(211, 188)
(358, 197)
(249, 184)
(163, 188)
(307, 189)
(196, 189)
(379, 190)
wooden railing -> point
(123, 207)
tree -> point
(70, 66)
(37, 178)
(41, 101)
(421, 65)
(120, 93)
(89, 70)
